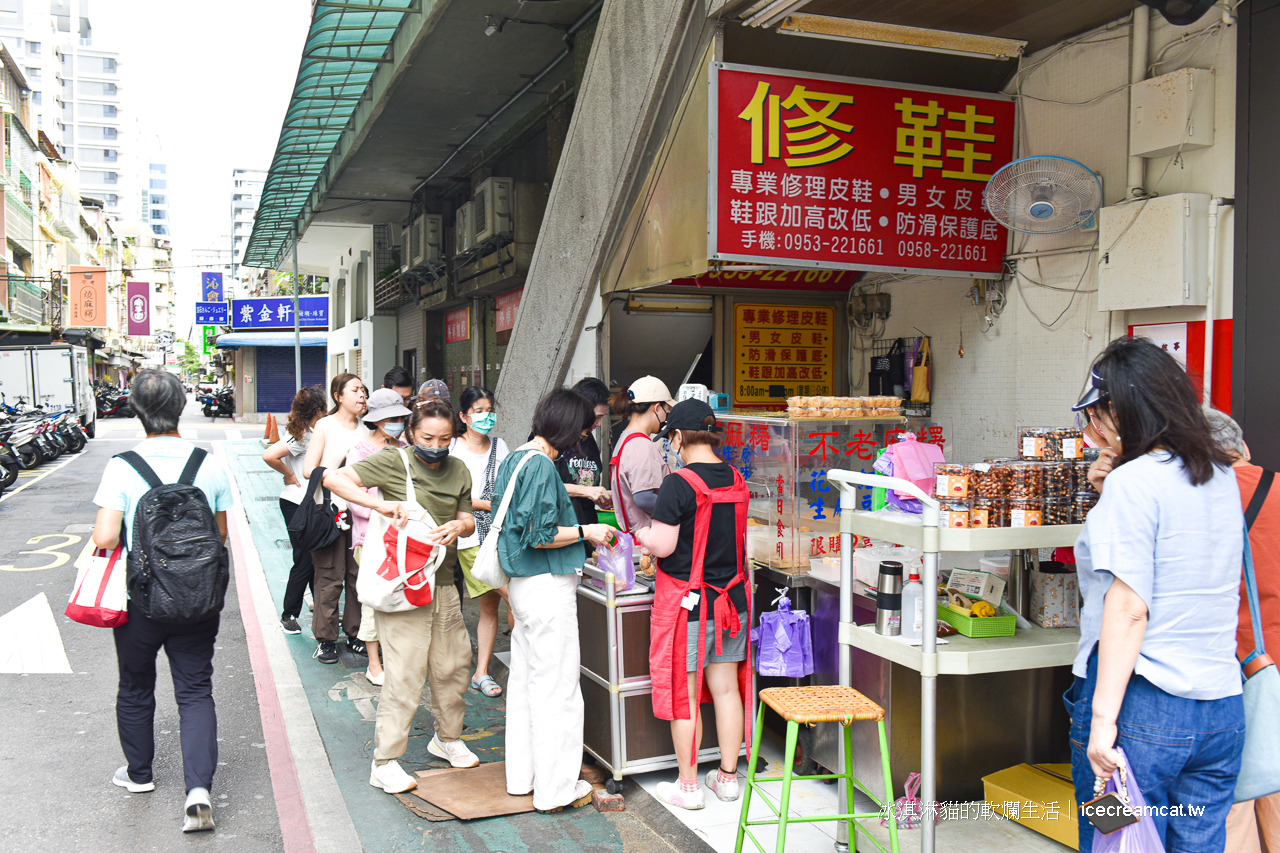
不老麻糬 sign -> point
(836, 172)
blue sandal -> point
(487, 686)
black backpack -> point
(314, 525)
(178, 566)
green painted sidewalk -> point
(344, 705)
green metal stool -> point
(808, 705)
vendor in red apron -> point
(637, 465)
(701, 618)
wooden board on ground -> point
(481, 792)
(423, 809)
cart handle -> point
(848, 480)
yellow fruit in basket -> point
(982, 610)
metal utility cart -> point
(1029, 649)
(621, 731)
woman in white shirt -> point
(482, 456)
(287, 457)
(336, 566)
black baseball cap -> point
(689, 414)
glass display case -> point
(795, 514)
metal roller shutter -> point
(409, 333)
(276, 384)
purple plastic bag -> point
(617, 558)
(1140, 837)
(783, 641)
(884, 465)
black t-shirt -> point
(580, 466)
(677, 505)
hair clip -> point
(631, 394)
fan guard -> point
(1043, 195)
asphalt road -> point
(60, 747)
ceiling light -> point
(911, 38)
(669, 304)
(769, 12)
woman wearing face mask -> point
(482, 456)
(541, 549)
(336, 566)
(385, 419)
(580, 467)
(637, 464)
(699, 526)
(429, 643)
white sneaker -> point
(198, 814)
(391, 778)
(727, 791)
(670, 793)
(455, 752)
(122, 779)
(581, 796)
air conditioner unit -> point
(405, 240)
(492, 216)
(426, 240)
(463, 234)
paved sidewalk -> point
(328, 712)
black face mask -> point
(431, 455)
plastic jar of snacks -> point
(1081, 471)
(989, 512)
(1057, 510)
(1085, 500)
(1026, 481)
(954, 513)
(1026, 512)
(996, 481)
(1059, 480)
(1070, 444)
(1032, 441)
(953, 481)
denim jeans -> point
(1184, 753)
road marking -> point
(190, 434)
(30, 640)
(59, 558)
(233, 435)
(38, 477)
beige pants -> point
(426, 644)
(1254, 826)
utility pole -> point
(297, 326)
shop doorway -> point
(661, 344)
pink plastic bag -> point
(1140, 837)
(913, 460)
(909, 809)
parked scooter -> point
(9, 465)
(220, 402)
(114, 401)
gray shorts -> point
(735, 648)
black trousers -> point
(190, 652)
(302, 575)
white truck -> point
(55, 376)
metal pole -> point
(848, 506)
(297, 326)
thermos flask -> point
(889, 599)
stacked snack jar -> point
(1081, 472)
(989, 512)
(1026, 481)
(1026, 512)
(1071, 444)
(953, 481)
(1085, 500)
(954, 513)
(1057, 510)
(1058, 480)
(1031, 442)
(996, 480)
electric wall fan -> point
(1043, 195)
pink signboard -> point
(457, 326)
(138, 307)
(507, 305)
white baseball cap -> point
(650, 389)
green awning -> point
(348, 41)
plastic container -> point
(1085, 500)
(1026, 512)
(913, 600)
(998, 566)
(1026, 481)
(990, 626)
(1059, 480)
(996, 480)
(1080, 470)
(954, 481)
(1032, 441)
(1057, 511)
(989, 512)
(954, 513)
(1068, 444)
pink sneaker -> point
(670, 793)
(726, 791)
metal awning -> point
(234, 340)
(347, 42)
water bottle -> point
(913, 608)
(889, 599)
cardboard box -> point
(1055, 599)
(1039, 797)
(984, 585)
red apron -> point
(668, 627)
(614, 461)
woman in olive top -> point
(430, 642)
(541, 550)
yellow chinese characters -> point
(811, 140)
(920, 140)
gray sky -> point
(212, 81)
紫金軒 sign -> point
(831, 172)
(276, 312)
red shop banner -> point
(457, 326)
(817, 281)
(507, 305)
(836, 172)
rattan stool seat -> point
(821, 703)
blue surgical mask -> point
(484, 422)
(393, 430)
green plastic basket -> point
(990, 626)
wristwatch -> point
(581, 535)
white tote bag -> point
(391, 579)
(99, 598)
(488, 568)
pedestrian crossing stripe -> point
(30, 641)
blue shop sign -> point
(211, 314)
(276, 312)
